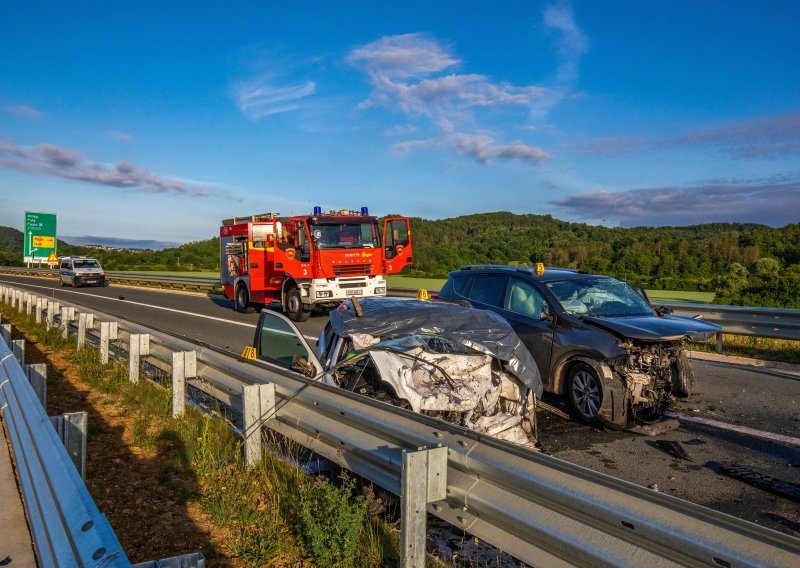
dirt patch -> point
(147, 502)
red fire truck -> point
(309, 261)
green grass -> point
(415, 283)
(187, 273)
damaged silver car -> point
(459, 364)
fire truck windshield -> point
(345, 235)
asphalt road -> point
(766, 402)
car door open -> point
(278, 341)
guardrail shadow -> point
(148, 505)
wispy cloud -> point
(772, 201)
(419, 76)
(121, 136)
(481, 147)
(261, 97)
(759, 138)
(57, 161)
(24, 111)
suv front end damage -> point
(648, 373)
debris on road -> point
(655, 428)
(673, 448)
(787, 489)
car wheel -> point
(294, 306)
(242, 301)
(62, 282)
(74, 282)
(585, 392)
(682, 376)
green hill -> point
(666, 258)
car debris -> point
(655, 428)
(673, 448)
(787, 489)
(455, 363)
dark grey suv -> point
(594, 338)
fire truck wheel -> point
(294, 306)
(243, 300)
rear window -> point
(489, 289)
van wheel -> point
(74, 282)
(242, 300)
(294, 306)
(585, 392)
(682, 376)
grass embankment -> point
(765, 348)
(173, 486)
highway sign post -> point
(40, 238)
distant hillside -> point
(668, 258)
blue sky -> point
(154, 120)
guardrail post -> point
(18, 347)
(39, 302)
(81, 339)
(184, 366)
(719, 342)
(53, 309)
(18, 300)
(67, 315)
(5, 331)
(72, 429)
(139, 345)
(258, 402)
(108, 332)
(28, 303)
(37, 376)
(423, 480)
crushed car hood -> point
(479, 330)
(655, 328)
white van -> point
(81, 271)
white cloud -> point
(481, 147)
(259, 98)
(24, 111)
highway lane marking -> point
(734, 428)
(234, 322)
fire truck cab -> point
(310, 261)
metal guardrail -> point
(538, 508)
(774, 323)
(66, 525)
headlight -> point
(380, 290)
(324, 294)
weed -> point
(330, 523)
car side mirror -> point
(546, 315)
(663, 310)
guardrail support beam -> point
(39, 303)
(37, 375)
(139, 346)
(423, 480)
(184, 366)
(81, 338)
(18, 347)
(67, 315)
(719, 342)
(72, 428)
(258, 402)
(108, 332)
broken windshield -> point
(599, 297)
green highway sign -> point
(40, 237)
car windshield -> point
(345, 235)
(599, 297)
(87, 264)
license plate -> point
(354, 292)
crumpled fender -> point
(614, 407)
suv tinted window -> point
(524, 299)
(489, 289)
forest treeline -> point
(743, 263)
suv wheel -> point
(682, 376)
(585, 392)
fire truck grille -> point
(352, 269)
